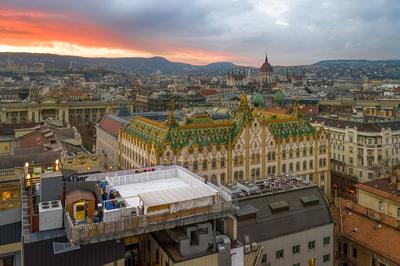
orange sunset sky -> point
(204, 31)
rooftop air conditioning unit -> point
(247, 249)
(50, 215)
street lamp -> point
(57, 165)
(26, 168)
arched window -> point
(213, 164)
(195, 166)
(205, 165)
(311, 165)
(284, 168)
(222, 162)
(304, 165)
(235, 160)
(298, 166)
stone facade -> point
(69, 112)
(363, 151)
(255, 144)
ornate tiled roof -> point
(202, 130)
(147, 130)
(291, 129)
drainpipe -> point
(215, 235)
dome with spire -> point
(266, 67)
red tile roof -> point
(375, 235)
(110, 125)
(309, 110)
(208, 92)
(75, 92)
(35, 138)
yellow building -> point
(255, 144)
(68, 112)
(381, 195)
(5, 145)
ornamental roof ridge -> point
(211, 124)
(150, 121)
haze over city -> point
(201, 32)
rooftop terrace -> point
(142, 202)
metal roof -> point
(268, 224)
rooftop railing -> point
(133, 224)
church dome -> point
(266, 67)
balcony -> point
(135, 225)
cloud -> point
(202, 31)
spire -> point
(171, 122)
(244, 108)
(297, 112)
(266, 57)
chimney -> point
(393, 179)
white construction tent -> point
(177, 199)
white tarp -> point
(176, 195)
(190, 204)
(130, 192)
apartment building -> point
(381, 195)
(286, 222)
(360, 151)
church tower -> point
(266, 73)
